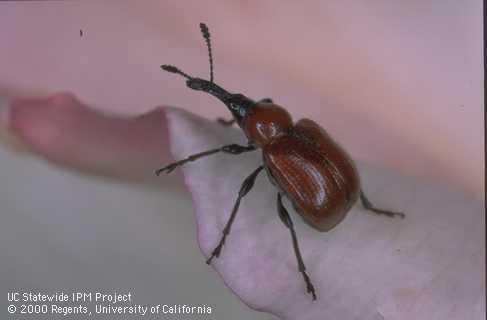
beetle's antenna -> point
(173, 69)
(206, 35)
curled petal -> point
(65, 131)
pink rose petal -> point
(427, 266)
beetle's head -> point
(238, 104)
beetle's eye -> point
(242, 112)
(237, 107)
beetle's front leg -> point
(369, 206)
(231, 149)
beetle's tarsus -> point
(369, 206)
(390, 214)
(168, 169)
(215, 253)
(309, 286)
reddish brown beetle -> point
(300, 159)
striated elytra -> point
(304, 163)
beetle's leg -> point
(369, 206)
(231, 148)
(225, 122)
(244, 189)
(265, 100)
(286, 219)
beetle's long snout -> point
(199, 84)
(238, 104)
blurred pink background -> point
(399, 84)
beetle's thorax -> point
(264, 122)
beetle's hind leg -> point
(244, 189)
(286, 219)
(369, 206)
(231, 149)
